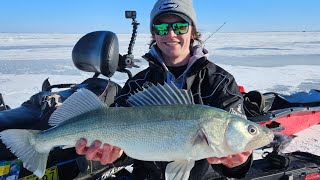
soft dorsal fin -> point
(78, 103)
(167, 94)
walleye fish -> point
(163, 124)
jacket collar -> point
(195, 64)
(155, 59)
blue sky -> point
(81, 16)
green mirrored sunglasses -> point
(162, 29)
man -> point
(174, 57)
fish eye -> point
(252, 130)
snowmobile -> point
(98, 52)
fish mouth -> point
(260, 141)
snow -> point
(283, 62)
(307, 140)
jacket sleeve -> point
(123, 161)
(227, 96)
(121, 99)
(131, 86)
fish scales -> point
(158, 129)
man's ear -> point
(193, 33)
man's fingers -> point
(236, 160)
(247, 153)
(93, 151)
(117, 152)
(81, 148)
(214, 160)
(105, 157)
(110, 154)
(232, 160)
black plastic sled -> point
(286, 114)
(291, 166)
(275, 166)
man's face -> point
(175, 48)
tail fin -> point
(22, 144)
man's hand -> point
(232, 160)
(106, 155)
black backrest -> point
(97, 52)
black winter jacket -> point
(210, 85)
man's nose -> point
(171, 32)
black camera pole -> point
(127, 61)
(132, 15)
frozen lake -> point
(283, 62)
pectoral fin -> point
(179, 170)
(200, 138)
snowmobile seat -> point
(97, 52)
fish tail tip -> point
(21, 143)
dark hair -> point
(197, 36)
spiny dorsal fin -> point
(78, 103)
(167, 94)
